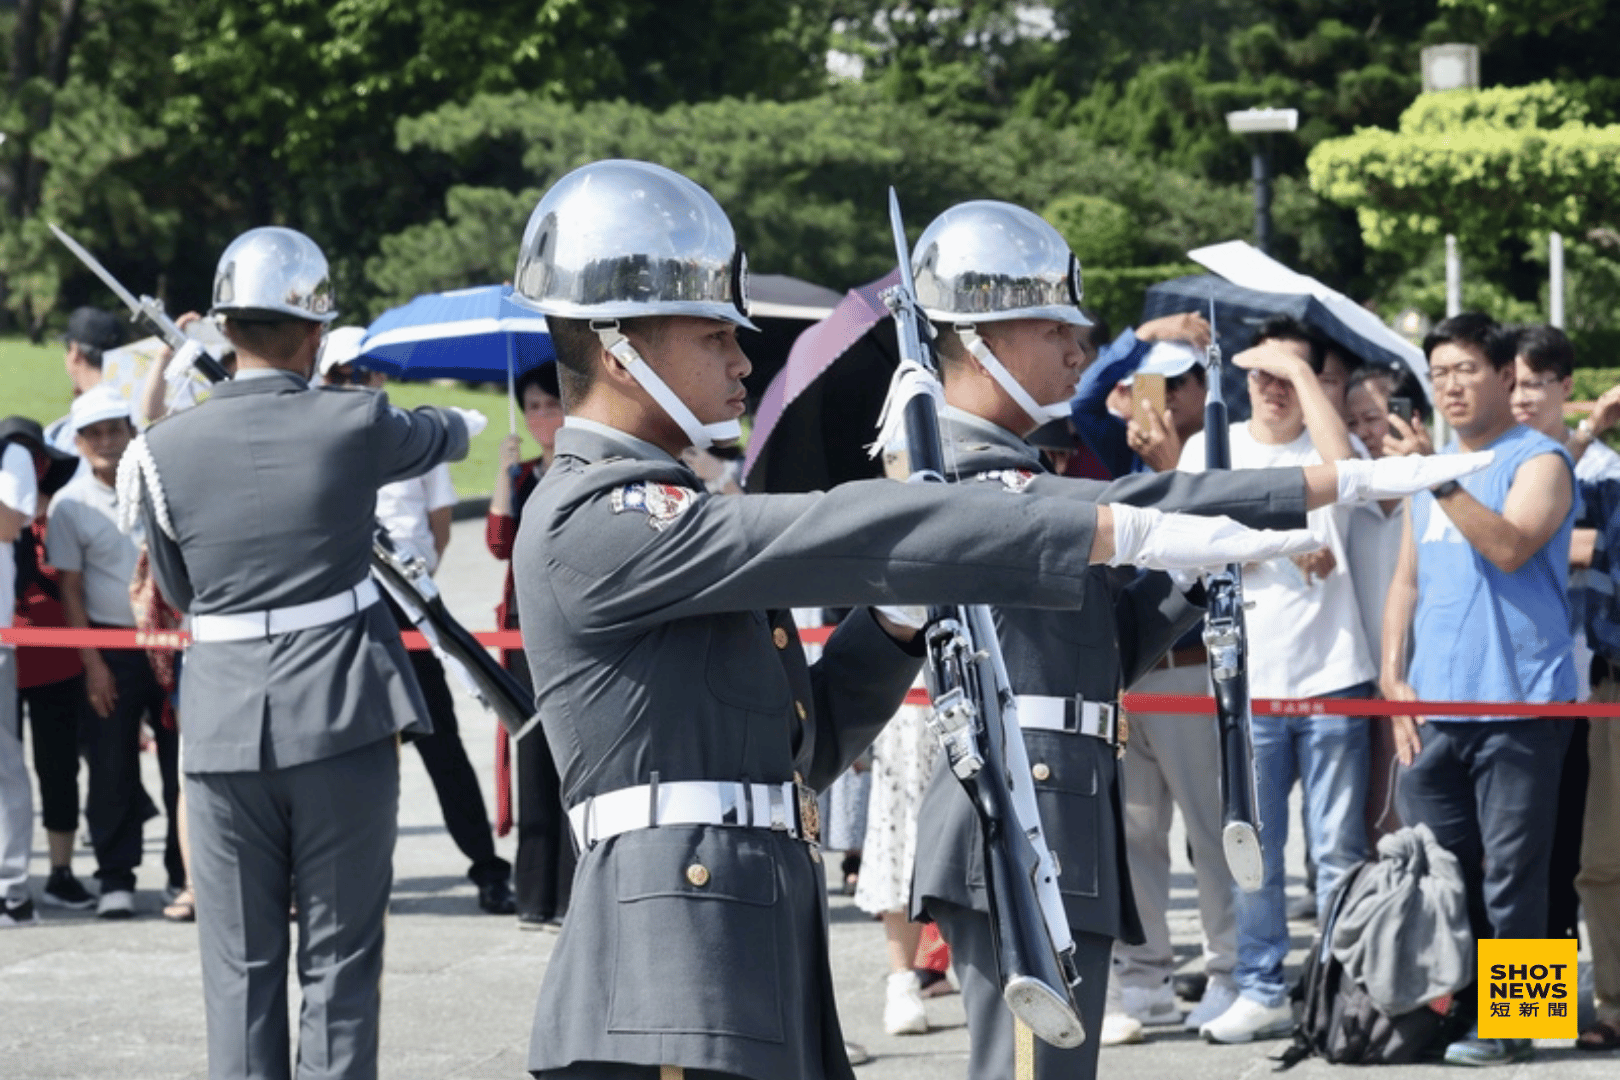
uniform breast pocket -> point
(744, 669)
(697, 935)
(1067, 798)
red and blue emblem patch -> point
(662, 503)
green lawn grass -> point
(33, 383)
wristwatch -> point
(1440, 491)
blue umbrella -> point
(476, 335)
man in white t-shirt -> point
(417, 513)
(19, 493)
(1305, 641)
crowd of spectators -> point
(1483, 590)
(1502, 587)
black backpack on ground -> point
(1341, 1024)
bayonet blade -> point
(902, 249)
(100, 271)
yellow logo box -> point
(1527, 988)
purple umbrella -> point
(812, 354)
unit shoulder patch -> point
(662, 503)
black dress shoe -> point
(496, 897)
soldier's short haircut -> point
(1546, 350)
(277, 340)
(577, 348)
(949, 352)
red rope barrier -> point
(68, 638)
(1190, 704)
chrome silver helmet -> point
(272, 272)
(987, 261)
(621, 239)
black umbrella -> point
(1239, 313)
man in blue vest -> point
(1489, 556)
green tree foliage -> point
(1498, 168)
(156, 129)
(803, 180)
(1101, 232)
(1481, 164)
(410, 136)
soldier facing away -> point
(259, 513)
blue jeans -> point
(1329, 755)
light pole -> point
(1261, 123)
(1451, 67)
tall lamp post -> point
(1451, 67)
(1262, 123)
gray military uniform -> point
(641, 600)
(1128, 622)
(288, 740)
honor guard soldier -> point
(258, 507)
(1010, 360)
(696, 940)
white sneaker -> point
(1150, 1005)
(1119, 1029)
(903, 1011)
(1219, 993)
(1248, 1020)
(116, 904)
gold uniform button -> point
(779, 636)
(1041, 771)
(697, 874)
(799, 705)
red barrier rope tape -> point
(65, 638)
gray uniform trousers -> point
(332, 823)
(991, 1053)
(1171, 764)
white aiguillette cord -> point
(1038, 414)
(134, 468)
(910, 380)
(702, 435)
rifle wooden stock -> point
(502, 693)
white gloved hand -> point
(1361, 480)
(475, 420)
(911, 617)
(1155, 540)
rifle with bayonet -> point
(405, 579)
(973, 717)
(149, 309)
(1226, 640)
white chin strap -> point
(1038, 414)
(702, 435)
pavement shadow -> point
(442, 894)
